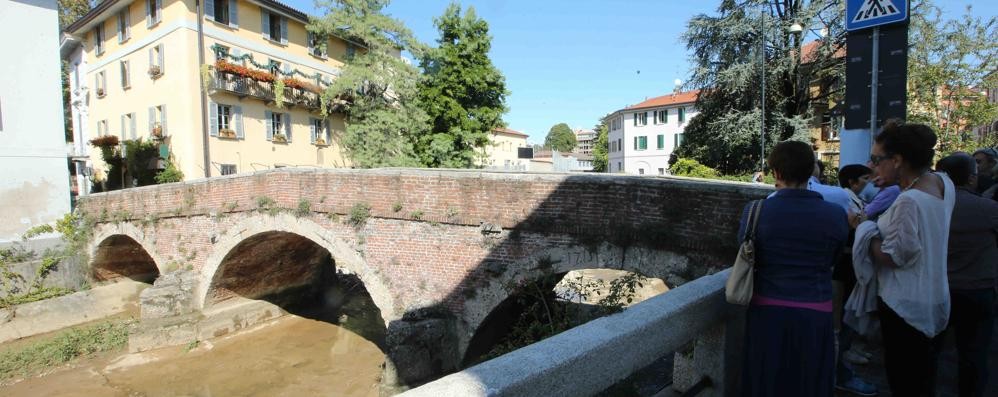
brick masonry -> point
(435, 239)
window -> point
(678, 140)
(157, 121)
(641, 118)
(620, 144)
(225, 12)
(224, 120)
(274, 27)
(101, 84)
(317, 45)
(660, 144)
(124, 28)
(126, 80)
(641, 171)
(682, 114)
(228, 169)
(154, 12)
(275, 66)
(278, 126)
(102, 128)
(320, 132)
(662, 116)
(99, 39)
(620, 167)
(128, 126)
(156, 66)
(640, 143)
(661, 171)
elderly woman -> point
(790, 348)
(910, 256)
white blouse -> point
(915, 233)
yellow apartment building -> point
(502, 150)
(200, 77)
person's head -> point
(961, 168)
(792, 163)
(901, 148)
(987, 160)
(854, 177)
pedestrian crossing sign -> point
(862, 14)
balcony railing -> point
(246, 87)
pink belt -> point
(825, 306)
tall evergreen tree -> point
(560, 138)
(601, 146)
(732, 50)
(463, 93)
(377, 90)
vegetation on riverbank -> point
(63, 348)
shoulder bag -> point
(738, 289)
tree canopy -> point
(601, 146)
(560, 138)
(730, 52)
(463, 93)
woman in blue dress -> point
(789, 341)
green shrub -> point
(62, 348)
(170, 174)
(359, 214)
(693, 169)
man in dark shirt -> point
(972, 261)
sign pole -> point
(874, 71)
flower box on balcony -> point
(155, 71)
(100, 92)
(226, 133)
(105, 141)
(157, 132)
(280, 138)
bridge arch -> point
(668, 266)
(123, 250)
(294, 232)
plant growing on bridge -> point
(397, 206)
(266, 204)
(359, 214)
(416, 215)
(304, 208)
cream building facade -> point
(642, 137)
(195, 80)
(503, 150)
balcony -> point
(242, 87)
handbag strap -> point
(753, 220)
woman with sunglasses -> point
(910, 256)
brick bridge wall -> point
(436, 240)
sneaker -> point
(858, 387)
(855, 358)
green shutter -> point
(635, 141)
(661, 142)
(233, 14)
(682, 115)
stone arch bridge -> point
(436, 249)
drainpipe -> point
(204, 93)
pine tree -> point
(728, 60)
(463, 92)
(560, 138)
(376, 89)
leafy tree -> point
(601, 146)
(69, 12)
(560, 138)
(72, 10)
(377, 90)
(462, 91)
(947, 67)
(727, 51)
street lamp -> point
(794, 29)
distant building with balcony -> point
(584, 140)
(643, 136)
(503, 151)
(143, 69)
(34, 189)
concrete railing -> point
(592, 357)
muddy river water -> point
(293, 356)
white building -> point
(34, 176)
(71, 50)
(584, 140)
(643, 136)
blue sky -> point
(574, 61)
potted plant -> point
(320, 142)
(155, 70)
(280, 138)
(157, 131)
(226, 133)
(105, 141)
(100, 92)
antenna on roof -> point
(678, 85)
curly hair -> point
(915, 143)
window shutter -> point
(209, 9)
(123, 130)
(287, 126)
(265, 23)
(308, 40)
(213, 120)
(128, 25)
(635, 143)
(635, 119)
(311, 130)
(162, 118)
(284, 30)
(151, 63)
(121, 33)
(162, 54)
(661, 142)
(152, 118)
(148, 14)
(233, 14)
(237, 119)
(132, 123)
(268, 118)
(159, 10)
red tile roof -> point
(665, 100)
(810, 51)
(508, 131)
